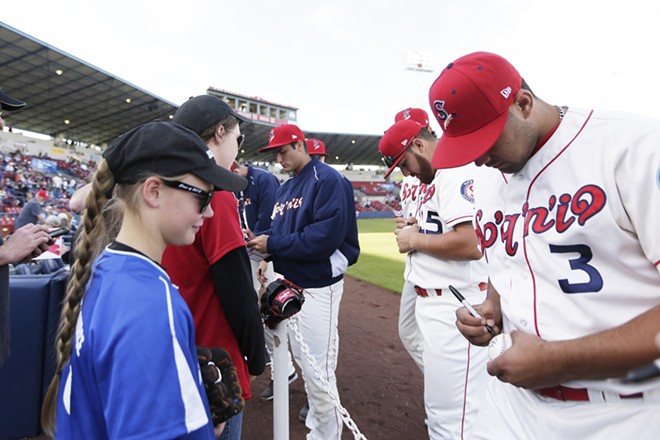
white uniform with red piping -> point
(411, 338)
(454, 370)
(573, 248)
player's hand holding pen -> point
(474, 328)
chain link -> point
(350, 424)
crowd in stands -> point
(23, 175)
(376, 196)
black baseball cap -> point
(168, 150)
(9, 102)
(204, 111)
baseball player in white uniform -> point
(411, 192)
(573, 253)
(411, 338)
(442, 250)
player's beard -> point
(512, 155)
(426, 171)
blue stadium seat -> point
(35, 303)
(50, 265)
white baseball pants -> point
(454, 370)
(317, 322)
(409, 333)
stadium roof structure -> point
(68, 98)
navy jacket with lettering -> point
(313, 238)
(258, 199)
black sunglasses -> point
(239, 138)
(390, 160)
(203, 196)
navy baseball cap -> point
(204, 111)
(9, 102)
(168, 150)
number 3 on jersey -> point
(432, 224)
(595, 282)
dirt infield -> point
(379, 384)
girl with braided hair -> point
(126, 357)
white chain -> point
(350, 424)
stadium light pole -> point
(421, 63)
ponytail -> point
(92, 239)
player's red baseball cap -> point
(396, 140)
(315, 147)
(43, 194)
(283, 135)
(470, 99)
(416, 114)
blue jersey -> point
(133, 372)
(257, 200)
(314, 236)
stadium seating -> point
(34, 313)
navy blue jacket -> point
(258, 199)
(314, 236)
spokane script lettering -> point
(282, 207)
(561, 214)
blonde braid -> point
(93, 237)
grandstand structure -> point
(79, 109)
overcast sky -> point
(342, 62)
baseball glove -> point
(223, 391)
(281, 300)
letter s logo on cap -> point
(439, 107)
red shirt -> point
(189, 268)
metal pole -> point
(280, 383)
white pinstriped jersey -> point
(447, 202)
(573, 239)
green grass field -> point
(380, 262)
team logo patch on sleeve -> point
(467, 190)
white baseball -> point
(498, 345)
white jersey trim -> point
(339, 263)
(192, 401)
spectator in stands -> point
(316, 148)
(213, 274)
(255, 206)
(65, 220)
(57, 181)
(28, 241)
(33, 211)
(53, 221)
